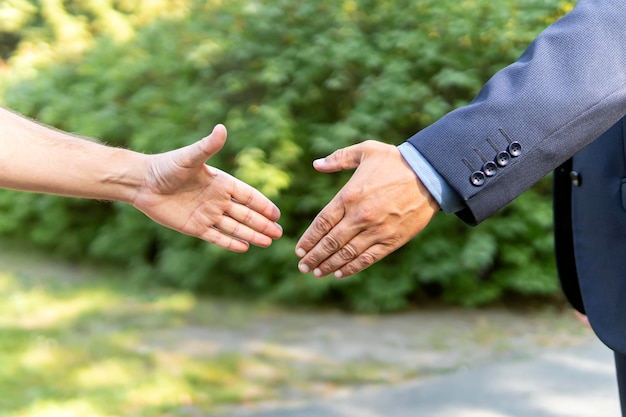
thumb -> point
(346, 158)
(198, 153)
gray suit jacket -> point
(567, 90)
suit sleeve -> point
(567, 88)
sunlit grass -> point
(73, 343)
(84, 341)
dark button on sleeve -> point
(515, 149)
(477, 178)
(503, 158)
(490, 168)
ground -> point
(127, 350)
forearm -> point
(565, 91)
(37, 158)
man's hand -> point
(381, 208)
(183, 193)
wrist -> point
(123, 175)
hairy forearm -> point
(37, 158)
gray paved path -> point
(570, 382)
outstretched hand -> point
(381, 208)
(183, 193)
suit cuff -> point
(448, 199)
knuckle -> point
(329, 266)
(330, 244)
(248, 217)
(366, 215)
(351, 196)
(350, 269)
(392, 240)
(348, 252)
(365, 260)
(313, 259)
(323, 224)
(249, 197)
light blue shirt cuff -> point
(448, 199)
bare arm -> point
(176, 189)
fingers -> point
(239, 226)
(366, 259)
(317, 236)
(242, 232)
(254, 199)
(235, 229)
(354, 252)
(218, 238)
(256, 222)
(331, 243)
(350, 247)
(244, 212)
(341, 248)
(198, 153)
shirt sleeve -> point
(448, 199)
(567, 89)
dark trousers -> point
(620, 365)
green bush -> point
(292, 81)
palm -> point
(183, 193)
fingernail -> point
(303, 268)
(319, 161)
(338, 274)
(300, 252)
(317, 272)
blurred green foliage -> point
(292, 81)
